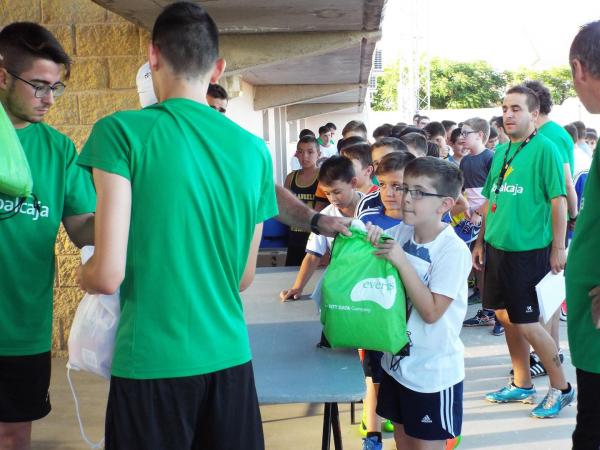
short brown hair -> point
(480, 125)
(23, 42)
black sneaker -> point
(536, 368)
(483, 318)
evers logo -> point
(379, 290)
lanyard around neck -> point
(507, 162)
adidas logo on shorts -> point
(426, 419)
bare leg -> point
(546, 349)
(15, 436)
(406, 442)
(518, 347)
(372, 419)
(553, 327)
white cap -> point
(145, 89)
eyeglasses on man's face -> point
(43, 90)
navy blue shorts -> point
(372, 365)
(430, 417)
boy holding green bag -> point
(422, 393)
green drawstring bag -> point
(363, 302)
(15, 174)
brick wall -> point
(107, 50)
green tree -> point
(385, 96)
(557, 79)
(457, 85)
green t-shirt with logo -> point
(522, 219)
(564, 144)
(27, 250)
(200, 184)
(583, 274)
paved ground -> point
(298, 427)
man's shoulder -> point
(56, 139)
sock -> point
(376, 434)
(567, 390)
(527, 389)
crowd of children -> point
(423, 184)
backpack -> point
(363, 299)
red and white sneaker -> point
(563, 311)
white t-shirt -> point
(326, 152)
(582, 161)
(318, 244)
(436, 359)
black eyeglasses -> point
(42, 91)
(466, 133)
(416, 194)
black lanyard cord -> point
(507, 162)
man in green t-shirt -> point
(583, 270)
(524, 231)
(178, 230)
(564, 144)
(32, 65)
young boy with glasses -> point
(422, 393)
(475, 167)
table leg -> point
(352, 413)
(335, 425)
(327, 424)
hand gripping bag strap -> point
(364, 304)
(15, 174)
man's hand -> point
(290, 294)
(331, 226)
(558, 258)
(477, 256)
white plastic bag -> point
(92, 339)
(92, 336)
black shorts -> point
(372, 365)
(510, 279)
(214, 411)
(24, 384)
(428, 416)
(587, 433)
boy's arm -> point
(571, 194)
(559, 229)
(429, 305)
(307, 268)
(250, 269)
(105, 270)
(478, 249)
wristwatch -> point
(314, 227)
